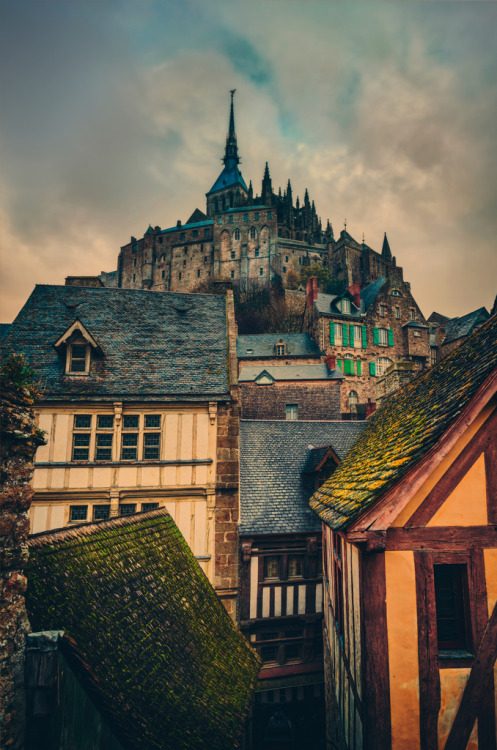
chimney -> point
(311, 291)
(370, 408)
(355, 290)
(178, 223)
(330, 362)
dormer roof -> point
(77, 330)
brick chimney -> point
(370, 408)
(311, 291)
(355, 290)
(330, 362)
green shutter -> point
(351, 334)
(340, 364)
(348, 367)
(358, 366)
(364, 338)
(376, 338)
(372, 368)
(332, 333)
(345, 339)
(390, 337)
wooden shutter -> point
(372, 368)
(348, 367)
(351, 334)
(340, 364)
(359, 367)
(390, 337)
(364, 338)
(332, 333)
(345, 337)
(376, 337)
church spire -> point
(231, 150)
(385, 251)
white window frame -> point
(338, 333)
(357, 337)
(381, 364)
(345, 306)
(69, 357)
(292, 412)
(382, 336)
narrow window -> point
(207, 232)
(253, 233)
(272, 566)
(129, 444)
(77, 358)
(195, 233)
(198, 273)
(160, 240)
(412, 314)
(295, 566)
(397, 312)
(232, 255)
(236, 234)
(450, 599)
(284, 269)
(232, 274)
(151, 438)
(163, 275)
(105, 427)
(134, 262)
(382, 336)
(345, 306)
(182, 236)
(179, 275)
(230, 220)
(256, 253)
(81, 437)
(292, 412)
(269, 214)
(134, 277)
(256, 217)
(245, 217)
(261, 272)
(353, 401)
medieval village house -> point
(140, 407)
(410, 564)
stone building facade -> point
(247, 238)
(365, 330)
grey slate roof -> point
(151, 348)
(290, 372)
(262, 345)
(206, 223)
(4, 329)
(368, 294)
(273, 493)
(230, 175)
(459, 327)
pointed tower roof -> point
(230, 175)
(385, 250)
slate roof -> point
(290, 372)
(368, 294)
(230, 175)
(4, 329)
(326, 304)
(151, 349)
(459, 327)
(405, 427)
(262, 345)
(169, 660)
(273, 493)
(206, 223)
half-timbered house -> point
(410, 564)
(281, 586)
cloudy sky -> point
(114, 116)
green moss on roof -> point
(165, 652)
(406, 426)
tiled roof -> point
(169, 660)
(206, 223)
(4, 329)
(152, 348)
(368, 294)
(273, 493)
(290, 372)
(459, 327)
(229, 176)
(262, 345)
(405, 427)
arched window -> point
(382, 363)
(236, 234)
(253, 233)
(353, 401)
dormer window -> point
(280, 349)
(345, 306)
(78, 358)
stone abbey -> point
(245, 238)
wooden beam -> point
(429, 675)
(441, 538)
(476, 688)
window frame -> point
(291, 412)
(69, 358)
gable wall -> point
(314, 399)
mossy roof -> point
(176, 671)
(404, 428)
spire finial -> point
(231, 150)
(345, 224)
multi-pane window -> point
(357, 337)
(261, 272)
(383, 336)
(353, 401)
(232, 274)
(149, 506)
(338, 333)
(381, 365)
(256, 252)
(233, 254)
(450, 599)
(292, 412)
(77, 358)
(78, 513)
(126, 509)
(129, 440)
(280, 350)
(345, 306)
(397, 312)
(295, 566)
(81, 437)
(236, 234)
(105, 434)
(253, 233)
(271, 566)
(101, 512)
(151, 437)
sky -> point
(114, 117)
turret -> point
(385, 250)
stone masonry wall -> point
(315, 400)
(19, 441)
